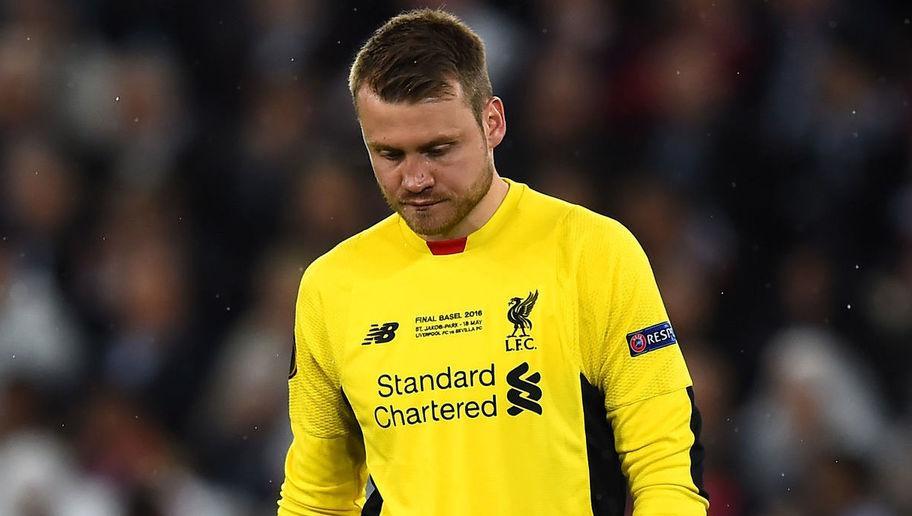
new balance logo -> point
(378, 334)
(520, 386)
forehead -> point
(404, 124)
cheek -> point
(388, 185)
(385, 174)
(464, 170)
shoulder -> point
(353, 256)
(578, 227)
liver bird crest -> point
(519, 311)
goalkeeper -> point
(486, 349)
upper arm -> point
(621, 301)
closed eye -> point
(438, 150)
(391, 155)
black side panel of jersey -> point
(696, 451)
(607, 485)
(374, 503)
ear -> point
(494, 121)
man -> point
(486, 350)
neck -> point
(480, 214)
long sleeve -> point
(657, 440)
(325, 469)
(636, 362)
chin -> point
(429, 229)
(429, 226)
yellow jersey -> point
(528, 369)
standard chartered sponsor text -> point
(389, 415)
(394, 385)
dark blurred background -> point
(168, 169)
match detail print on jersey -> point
(449, 323)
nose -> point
(417, 175)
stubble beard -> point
(441, 219)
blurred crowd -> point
(168, 169)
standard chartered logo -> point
(524, 394)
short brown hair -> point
(414, 55)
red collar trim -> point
(442, 247)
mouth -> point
(422, 204)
